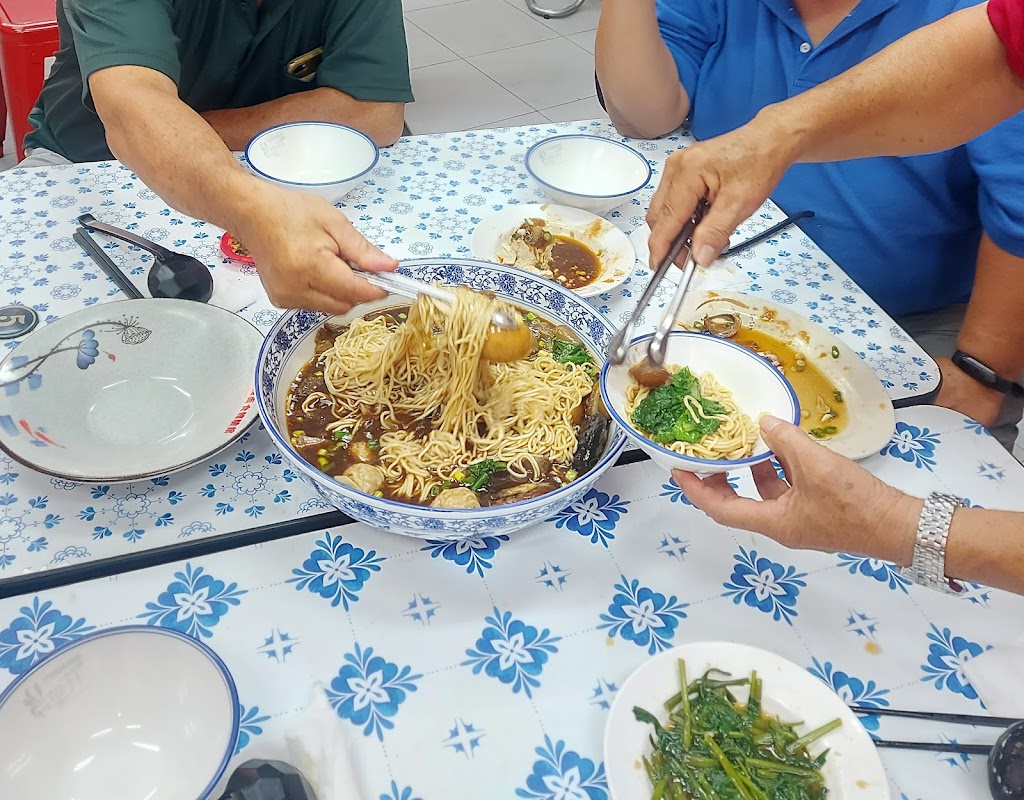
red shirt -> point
(1007, 17)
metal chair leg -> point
(556, 13)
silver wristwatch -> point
(929, 565)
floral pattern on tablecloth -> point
(424, 198)
(487, 668)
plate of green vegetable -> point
(718, 720)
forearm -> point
(934, 89)
(171, 148)
(987, 547)
(638, 76)
(382, 122)
(993, 330)
(983, 546)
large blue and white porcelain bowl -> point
(290, 345)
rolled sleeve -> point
(998, 160)
(365, 52)
(689, 28)
(1007, 18)
(117, 33)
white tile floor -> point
(487, 63)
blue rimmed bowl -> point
(290, 345)
(588, 172)
(324, 158)
(757, 387)
(131, 711)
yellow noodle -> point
(733, 440)
(430, 368)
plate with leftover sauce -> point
(842, 402)
(718, 719)
(580, 251)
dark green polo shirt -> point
(220, 53)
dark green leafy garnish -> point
(342, 435)
(835, 352)
(477, 474)
(838, 395)
(821, 433)
(713, 747)
(569, 352)
(664, 416)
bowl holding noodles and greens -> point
(700, 411)
(419, 418)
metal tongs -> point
(410, 287)
(619, 346)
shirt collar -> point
(864, 12)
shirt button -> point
(805, 48)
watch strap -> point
(984, 374)
(928, 567)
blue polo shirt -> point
(905, 229)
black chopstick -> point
(939, 716)
(768, 233)
(92, 247)
(97, 569)
(937, 747)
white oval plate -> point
(852, 771)
(129, 390)
(611, 244)
(871, 416)
(127, 712)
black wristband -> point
(985, 375)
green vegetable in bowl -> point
(569, 352)
(715, 748)
(665, 417)
(479, 473)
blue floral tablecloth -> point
(486, 668)
(424, 199)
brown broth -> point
(334, 452)
(572, 263)
(810, 383)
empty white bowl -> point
(757, 387)
(129, 712)
(588, 172)
(320, 157)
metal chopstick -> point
(619, 345)
(105, 263)
(939, 716)
(399, 284)
(937, 747)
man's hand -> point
(736, 172)
(829, 503)
(302, 246)
(962, 393)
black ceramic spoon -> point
(173, 275)
(1006, 764)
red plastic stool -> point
(28, 36)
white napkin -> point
(997, 675)
(720, 277)
(318, 747)
(236, 287)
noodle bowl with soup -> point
(397, 415)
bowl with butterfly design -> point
(128, 390)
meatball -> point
(364, 477)
(460, 497)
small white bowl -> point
(588, 172)
(133, 711)
(757, 387)
(320, 157)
